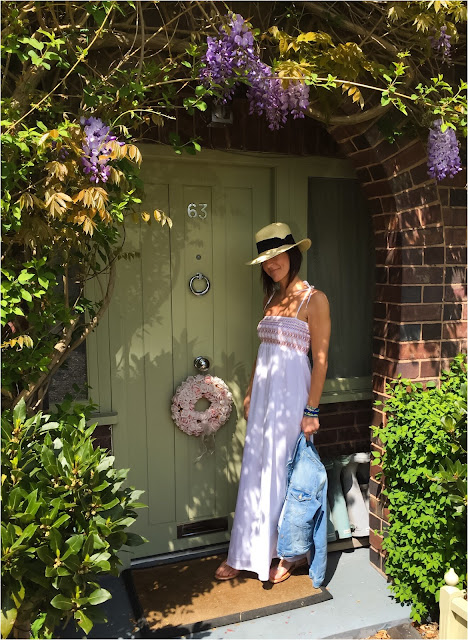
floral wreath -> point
(197, 423)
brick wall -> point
(420, 301)
(344, 428)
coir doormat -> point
(175, 600)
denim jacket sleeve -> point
(302, 525)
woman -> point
(282, 398)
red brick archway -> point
(420, 303)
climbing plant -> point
(425, 470)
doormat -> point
(175, 600)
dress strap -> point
(311, 288)
(269, 300)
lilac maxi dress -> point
(280, 392)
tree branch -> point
(153, 43)
(142, 32)
(374, 112)
(63, 348)
(354, 118)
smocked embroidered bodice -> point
(286, 332)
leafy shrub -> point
(425, 470)
(65, 516)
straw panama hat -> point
(274, 239)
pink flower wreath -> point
(197, 423)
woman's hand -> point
(246, 406)
(309, 426)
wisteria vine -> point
(231, 59)
(441, 44)
(443, 156)
(96, 150)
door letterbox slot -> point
(202, 527)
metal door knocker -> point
(199, 276)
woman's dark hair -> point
(295, 261)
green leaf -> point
(17, 594)
(62, 602)
(88, 545)
(98, 596)
(19, 412)
(18, 311)
(84, 622)
(15, 498)
(55, 540)
(110, 504)
(99, 543)
(134, 540)
(73, 545)
(37, 44)
(9, 613)
(25, 536)
(72, 562)
(45, 555)
(49, 461)
(24, 277)
(105, 463)
(63, 518)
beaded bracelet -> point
(311, 412)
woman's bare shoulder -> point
(318, 300)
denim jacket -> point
(302, 526)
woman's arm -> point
(319, 328)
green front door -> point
(157, 327)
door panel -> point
(157, 327)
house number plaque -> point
(195, 210)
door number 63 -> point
(194, 210)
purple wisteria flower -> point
(96, 150)
(442, 45)
(232, 57)
(443, 156)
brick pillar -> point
(420, 240)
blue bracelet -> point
(311, 412)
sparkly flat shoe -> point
(233, 573)
(288, 573)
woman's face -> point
(278, 267)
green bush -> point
(424, 464)
(64, 519)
